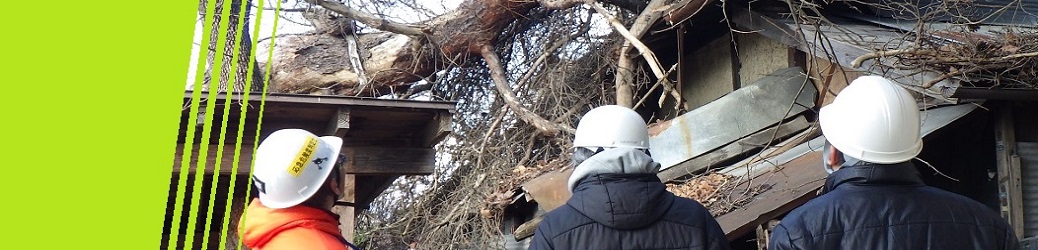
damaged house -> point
(733, 125)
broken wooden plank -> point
(780, 95)
(362, 160)
(755, 141)
(550, 189)
(527, 229)
(799, 180)
(787, 150)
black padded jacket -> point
(889, 207)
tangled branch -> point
(498, 74)
(369, 19)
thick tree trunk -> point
(240, 63)
(319, 63)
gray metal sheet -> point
(931, 119)
(736, 115)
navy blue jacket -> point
(889, 207)
(627, 211)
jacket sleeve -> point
(1012, 243)
(303, 238)
(779, 239)
(541, 239)
(716, 240)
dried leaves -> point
(706, 189)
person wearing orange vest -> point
(298, 177)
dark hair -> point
(580, 154)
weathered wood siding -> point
(759, 56)
(707, 73)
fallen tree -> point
(522, 71)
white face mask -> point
(845, 161)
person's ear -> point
(336, 186)
(835, 158)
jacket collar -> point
(260, 223)
(622, 201)
(899, 174)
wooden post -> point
(762, 237)
(1009, 182)
(339, 123)
(347, 214)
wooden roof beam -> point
(361, 160)
(340, 123)
(437, 129)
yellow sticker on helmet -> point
(303, 156)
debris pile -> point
(1003, 59)
(707, 189)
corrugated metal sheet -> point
(1030, 243)
(1028, 152)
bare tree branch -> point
(861, 59)
(650, 57)
(624, 74)
(498, 74)
(551, 50)
(371, 20)
(654, 86)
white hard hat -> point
(291, 165)
(873, 120)
(611, 126)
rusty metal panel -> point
(549, 189)
(736, 115)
